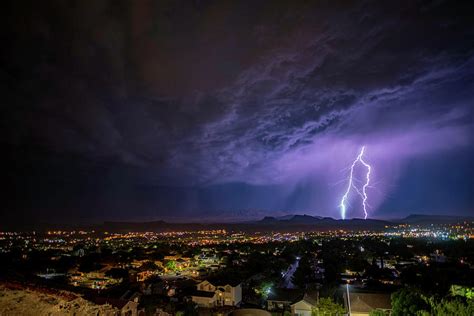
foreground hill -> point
(26, 302)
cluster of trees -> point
(256, 260)
(171, 265)
(436, 278)
(327, 307)
(304, 274)
(188, 309)
(263, 290)
(410, 302)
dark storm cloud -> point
(374, 64)
(146, 95)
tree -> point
(264, 289)
(455, 306)
(327, 307)
(378, 312)
(90, 263)
(406, 302)
(117, 273)
(171, 265)
(464, 291)
(304, 274)
(148, 265)
(410, 302)
(189, 309)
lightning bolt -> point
(367, 181)
(351, 185)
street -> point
(286, 282)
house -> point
(250, 312)
(204, 298)
(361, 304)
(349, 276)
(125, 307)
(305, 305)
(161, 312)
(280, 299)
(210, 295)
(131, 296)
(438, 257)
(300, 303)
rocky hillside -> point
(36, 302)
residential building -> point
(210, 295)
(280, 299)
(125, 307)
(305, 305)
(361, 304)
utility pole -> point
(348, 299)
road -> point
(286, 282)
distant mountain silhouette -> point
(289, 219)
(434, 219)
(287, 223)
(268, 220)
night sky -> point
(220, 110)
